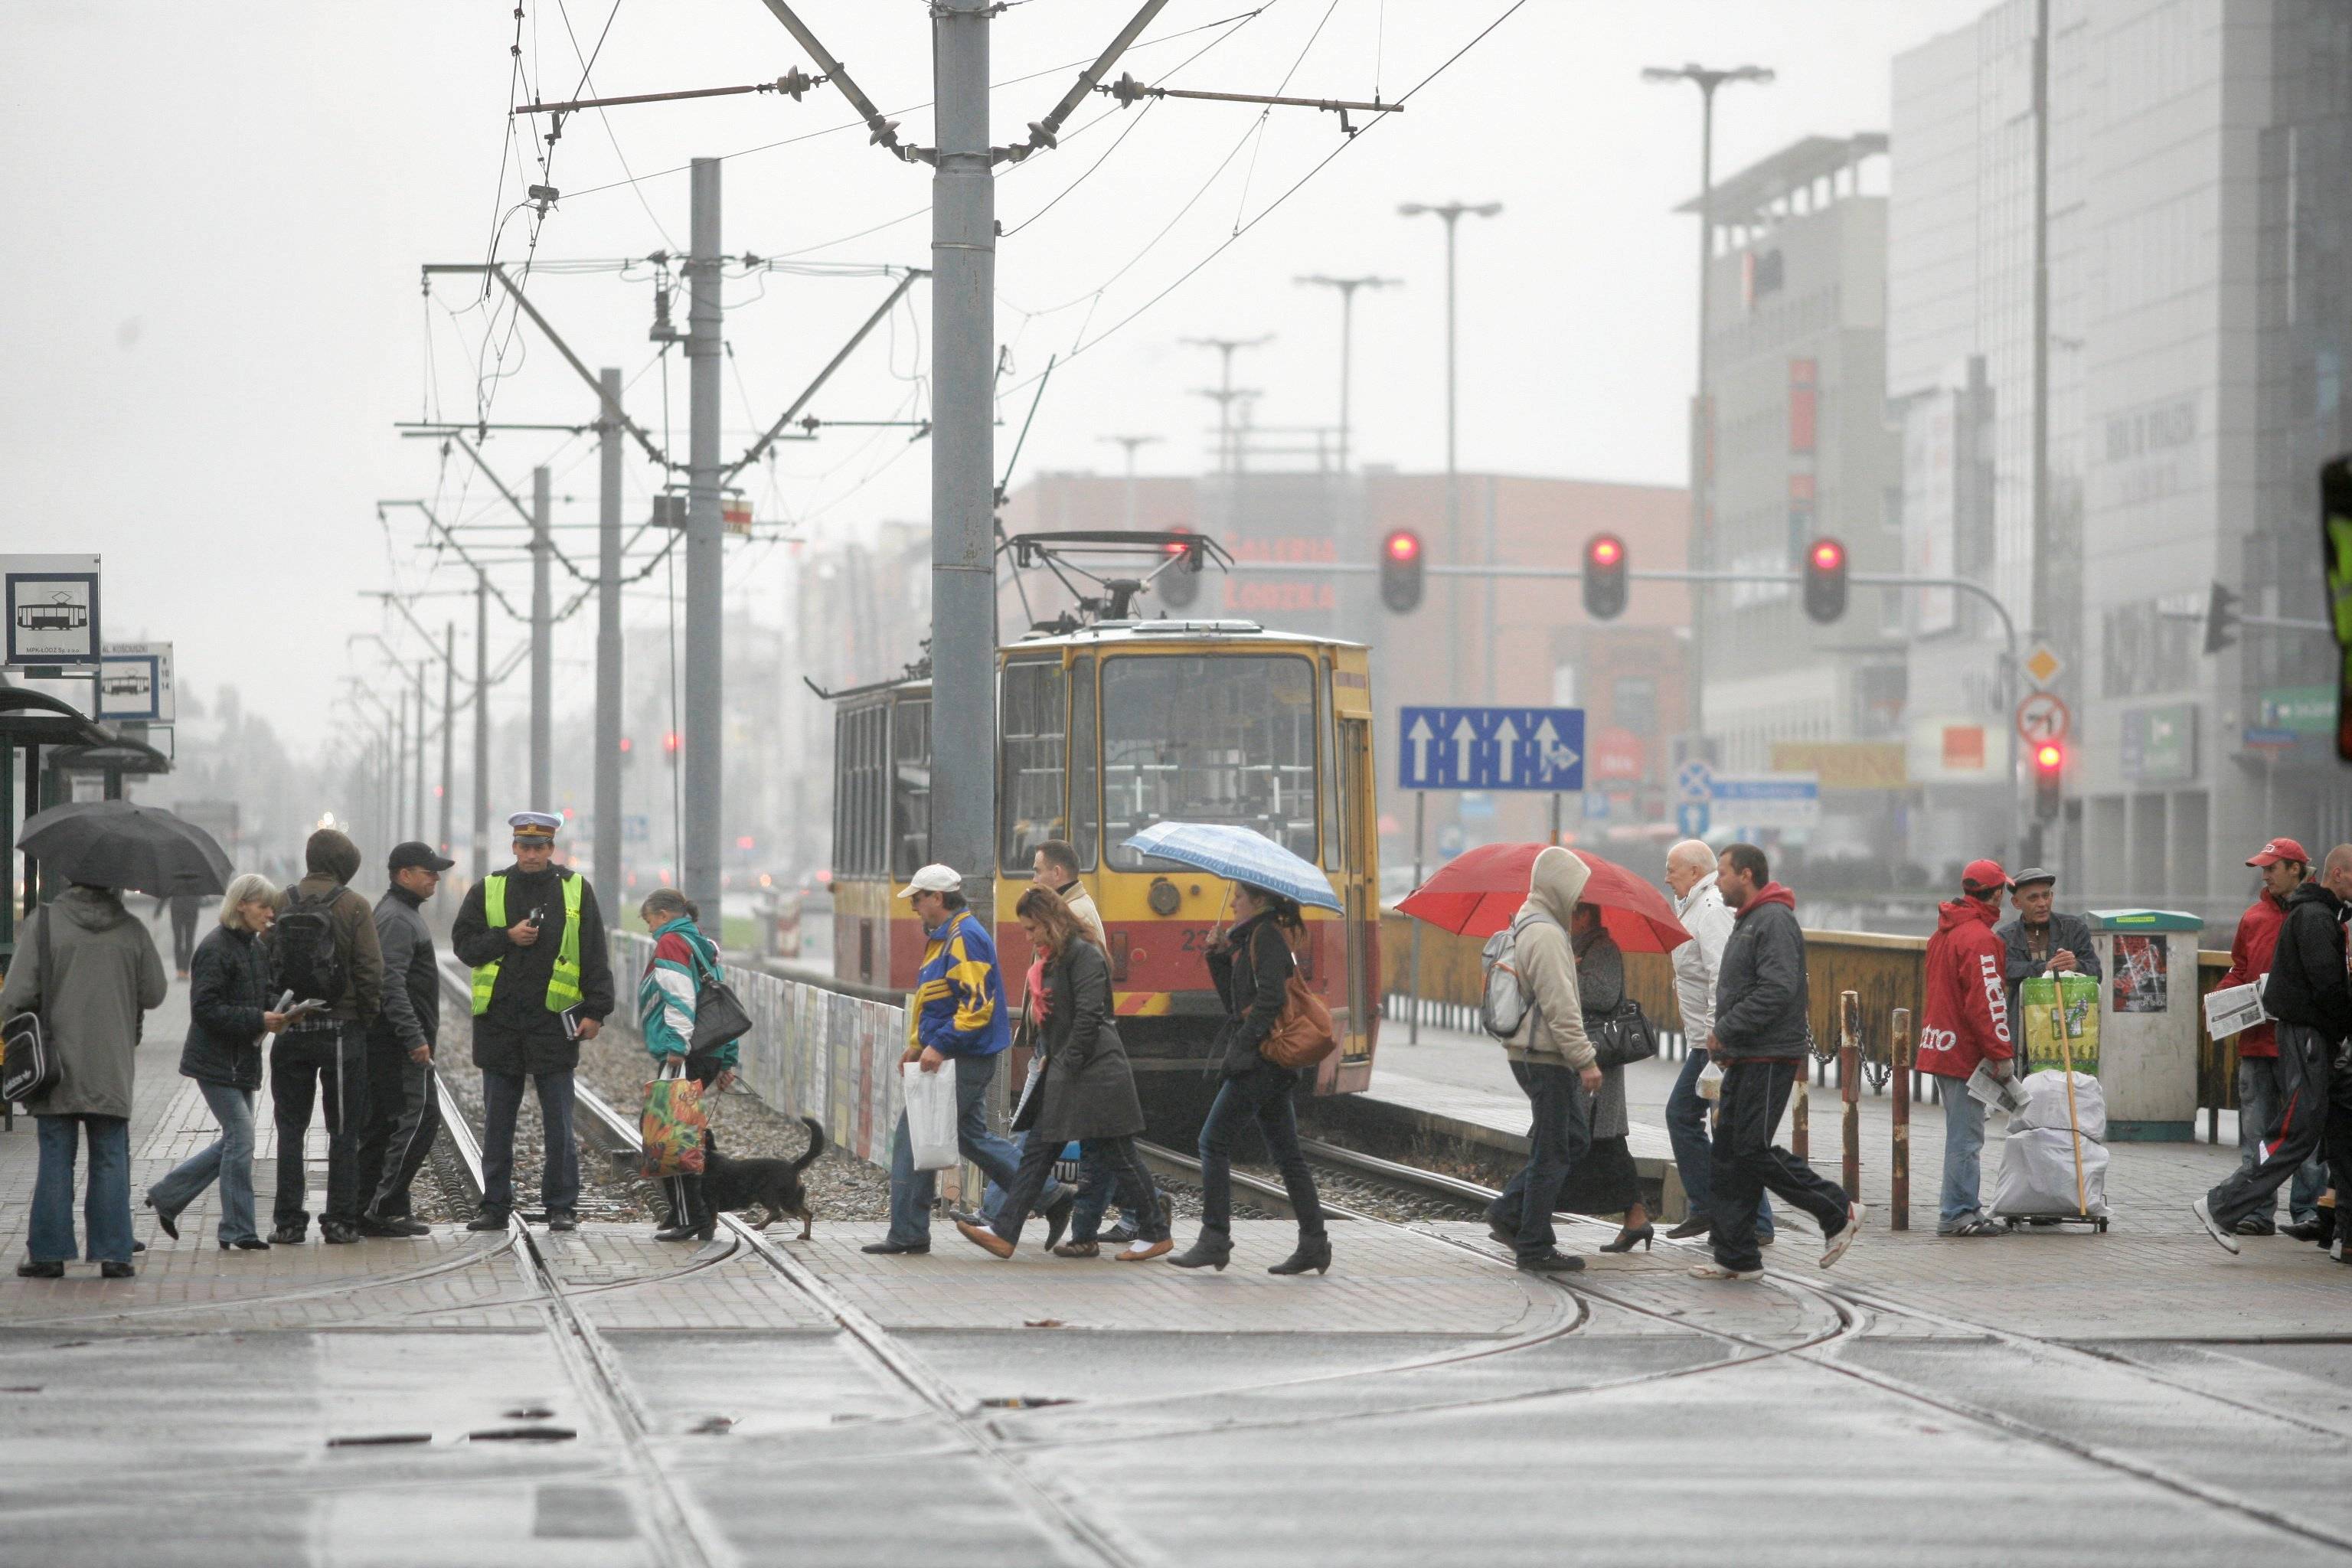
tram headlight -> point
(1163, 898)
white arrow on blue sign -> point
(1491, 748)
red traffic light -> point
(1404, 545)
(1401, 571)
(1828, 554)
(1607, 550)
(2048, 756)
(1604, 576)
(669, 741)
(626, 744)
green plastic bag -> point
(2061, 1022)
(672, 1127)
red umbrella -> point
(1478, 892)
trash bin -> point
(2148, 1017)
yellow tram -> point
(1103, 729)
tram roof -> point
(1144, 634)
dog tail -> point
(708, 1145)
(816, 1145)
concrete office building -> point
(2197, 235)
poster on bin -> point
(2142, 985)
(2061, 1021)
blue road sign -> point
(1694, 781)
(1596, 804)
(1491, 748)
(1690, 818)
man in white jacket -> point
(1553, 1062)
(1690, 872)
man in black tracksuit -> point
(2310, 996)
(403, 1107)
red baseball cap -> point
(1983, 877)
(2279, 849)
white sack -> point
(2037, 1171)
(2045, 1104)
(930, 1114)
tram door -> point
(1360, 894)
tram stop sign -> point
(1536, 749)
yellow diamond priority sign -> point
(2043, 665)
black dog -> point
(737, 1186)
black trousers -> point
(685, 1193)
(1747, 1162)
(2305, 1066)
(184, 934)
(404, 1117)
(307, 1068)
(1136, 1193)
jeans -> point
(228, 1158)
(1262, 1094)
(2304, 1066)
(1964, 1133)
(992, 1195)
(404, 1117)
(1747, 1162)
(1560, 1132)
(332, 1057)
(559, 1176)
(1686, 1129)
(106, 1203)
(2259, 1104)
(912, 1191)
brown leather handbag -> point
(1302, 1034)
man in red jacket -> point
(2283, 865)
(1966, 1021)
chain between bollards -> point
(1898, 1169)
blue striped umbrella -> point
(1238, 853)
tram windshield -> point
(1224, 737)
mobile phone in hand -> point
(536, 915)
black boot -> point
(1314, 1252)
(1213, 1250)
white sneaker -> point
(1837, 1244)
(2212, 1227)
(1717, 1271)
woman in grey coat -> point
(101, 973)
(1087, 1093)
(1606, 1183)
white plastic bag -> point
(1710, 1080)
(2046, 1105)
(2037, 1174)
(930, 1114)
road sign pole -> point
(1420, 822)
(1555, 816)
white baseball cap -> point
(933, 879)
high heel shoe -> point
(1626, 1238)
(1314, 1252)
(1211, 1249)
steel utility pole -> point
(448, 733)
(1347, 287)
(1131, 443)
(1452, 212)
(481, 723)
(418, 792)
(542, 644)
(608, 639)
(397, 766)
(1701, 553)
(1229, 458)
(705, 610)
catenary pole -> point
(448, 735)
(608, 637)
(704, 609)
(418, 815)
(963, 452)
(542, 643)
(481, 724)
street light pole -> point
(1131, 443)
(1702, 424)
(1452, 212)
(1347, 287)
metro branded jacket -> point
(960, 996)
(1965, 1019)
(2249, 959)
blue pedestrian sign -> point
(1694, 781)
(1690, 817)
(1539, 749)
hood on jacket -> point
(331, 853)
(1769, 893)
(1961, 910)
(2314, 891)
(1556, 884)
(92, 909)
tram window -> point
(1086, 760)
(1229, 738)
(910, 791)
(859, 800)
(1031, 718)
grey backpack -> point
(1502, 1009)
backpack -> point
(303, 957)
(1503, 1006)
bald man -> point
(1690, 872)
(2311, 997)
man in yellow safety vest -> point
(542, 983)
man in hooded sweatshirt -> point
(1760, 1041)
(323, 1055)
(1553, 1061)
(1965, 1022)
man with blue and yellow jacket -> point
(958, 1015)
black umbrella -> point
(115, 844)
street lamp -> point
(1451, 212)
(1702, 539)
(1347, 287)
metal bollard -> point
(1850, 1086)
(1800, 1143)
(1898, 1169)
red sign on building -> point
(1618, 754)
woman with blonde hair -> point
(228, 1015)
(1086, 1093)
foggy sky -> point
(217, 212)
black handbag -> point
(720, 1015)
(1624, 1037)
(29, 1061)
